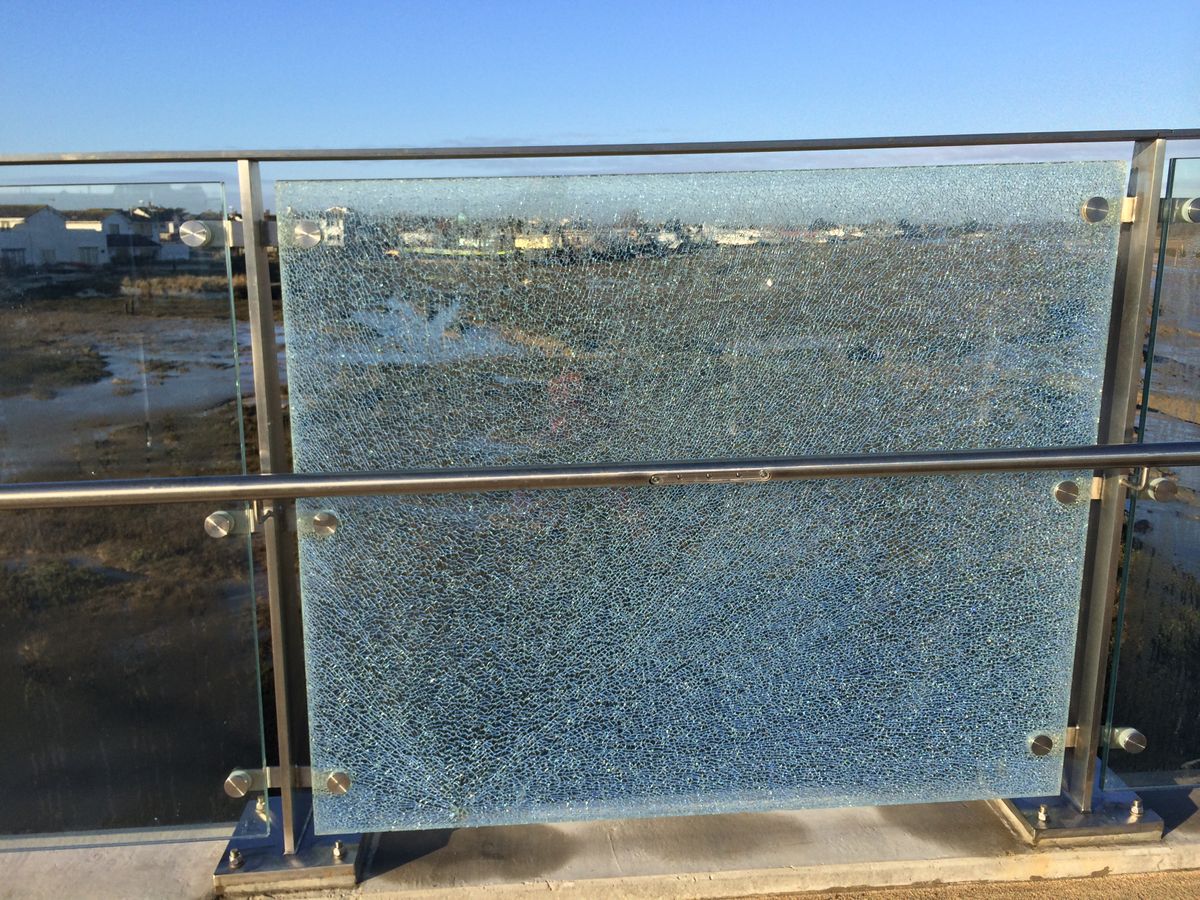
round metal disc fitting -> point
(1162, 489)
(325, 523)
(194, 233)
(337, 783)
(1041, 744)
(1128, 739)
(238, 783)
(1068, 493)
(1189, 211)
(307, 234)
(220, 524)
(1094, 210)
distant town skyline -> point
(306, 74)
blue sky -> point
(81, 75)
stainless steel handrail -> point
(582, 150)
(637, 474)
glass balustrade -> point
(129, 649)
(548, 655)
(1157, 648)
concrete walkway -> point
(942, 848)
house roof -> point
(91, 215)
(20, 210)
(156, 213)
(127, 241)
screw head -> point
(236, 860)
(1094, 210)
(1043, 814)
(1041, 744)
(339, 850)
(337, 783)
(1136, 808)
(1068, 493)
(220, 524)
(325, 522)
(307, 234)
(194, 233)
(655, 479)
(238, 783)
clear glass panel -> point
(542, 656)
(129, 655)
(1154, 684)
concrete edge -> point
(1096, 861)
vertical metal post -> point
(272, 449)
(1122, 373)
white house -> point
(105, 221)
(38, 235)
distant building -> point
(157, 222)
(39, 235)
(533, 242)
(105, 221)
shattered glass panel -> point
(552, 655)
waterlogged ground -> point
(127, 637)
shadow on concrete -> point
(1176, 806)
(471, 855)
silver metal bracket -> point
(225, 523)
(241, 782)
(1128, 210)
(254, 862)
(1050, 821)
(1152, 486)
(1118, 737)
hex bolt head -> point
(307, 234)
(337, 783)
(220, 524)
(236, 860)
(238, 783)
(1136, 808)
(1094, 210)
(1041, 744)
(325, 523)
(339, 850)
(1068, 493)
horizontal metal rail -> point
(641, 474)
(582, 150)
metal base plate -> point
(1054, 821)
(263, 866)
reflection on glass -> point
(1154, 687)
(128, 646)
(553, 655)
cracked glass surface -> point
(549, 655)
